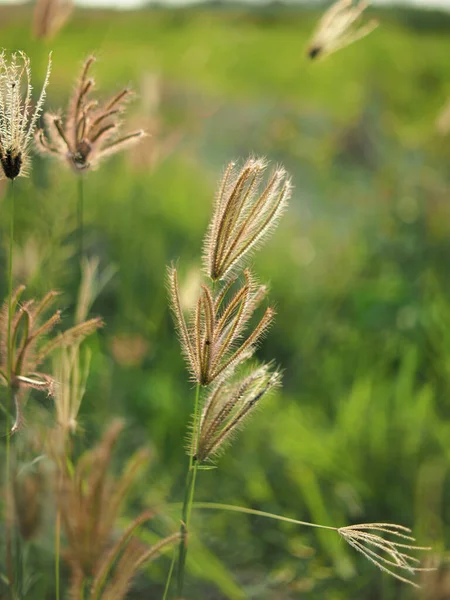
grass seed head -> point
(214, 342)
(245, 213)
(17, 117)
(49, 16)
(90, 131)
(338, 28)
(227, 408)
(387, 546)
(30, 345)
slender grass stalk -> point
(258, 513)
(9, 401)
(57, 552)
(188, 500)
(80, 216)
(169, 576)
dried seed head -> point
(49, 16)
(214, 342)
(17, 119)
(227, 408)
(338, 28)
(29, 344)
(244, 214)
(390, 555)
(90, 502)
(90, 132)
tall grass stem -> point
(189, 493)
(9, 401)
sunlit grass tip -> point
(90, 131)
(214, 340)
(246, 211)
(338, 28)
(18, 118)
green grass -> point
(358, 272)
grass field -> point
(358, 271)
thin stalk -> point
(188, 500)
(169, 576)
(80, 216)
(9, 401)
(57, 552)
(258, 513)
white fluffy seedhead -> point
(17, 118)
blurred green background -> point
(359, 271)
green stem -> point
(169, 576)
(258, 513)
(80, 216)
(57, 552)
(191, 477)
(9, 401)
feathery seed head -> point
(336, 28)
(17, 119)
(91, 131)
(29, 347)
(227, 408)
(214, 341)
(90, 502)
(244, 214)
(390, 555)
(49, 16)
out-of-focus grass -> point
(358, 271)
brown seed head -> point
(49, 16)
(227, 408)
(30, 346)
(245, 213)
(90, 131)
(214, 342)
(90, 502)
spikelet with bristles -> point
(214, 342)
(245, 213)
(227, 408)
(90, 502)
(17, 117)
(393, 556)
(90, 131)
(338, 28)
(49, 16)
(28, 346)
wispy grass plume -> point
(245, 212)
(339, 28)
(227, 408)
(29, 346)
(18, 118)
(214, 342)
(90, 130)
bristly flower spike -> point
(17, 119)
(49, 16)
(390, 555)
(214, 342)
(30, 346)
(337, 28)
(90, 131)
(244, 214)
(228, 407)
